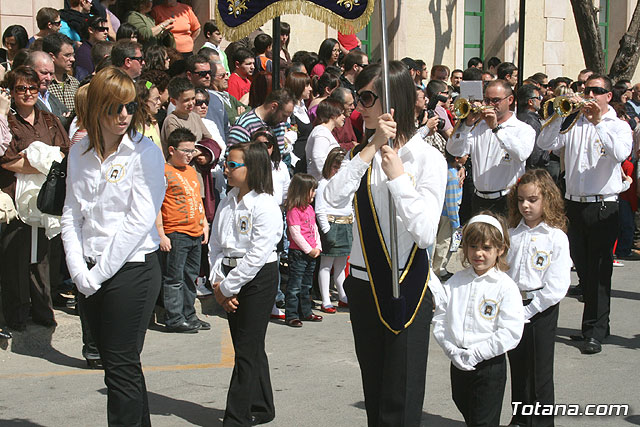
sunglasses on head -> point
(595, 90)
(131, 108)
(367, 98)
(202, 74)
(233, 165)
(201, 102)
(21, 89)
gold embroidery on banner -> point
(348, 4)
(236, 7)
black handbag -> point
(51, 196)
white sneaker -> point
(617, 263)
(201, 289)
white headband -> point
(487, 219)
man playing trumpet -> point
(499, 145)
(595, 142)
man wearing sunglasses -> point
(127, 56)
(97, 31)
(595, 142)
(48, 21)
(499, 145)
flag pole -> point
(393, 229)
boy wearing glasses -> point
(183, 229)
(182, 95)
(596, 142)
(499, 145)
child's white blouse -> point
(540, 264)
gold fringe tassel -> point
(302, 7)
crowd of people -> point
(189, 175)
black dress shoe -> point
(261, 419)
(5, 334)
(184, 328)
(577, 337)
(204, 326)
(591, 346)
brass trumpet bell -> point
(462, 108)
(548, 109)
(563, 106)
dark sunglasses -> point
(131, 108)
(595, 90)
(21, 90)
(362, 65)
(101, 29)
(201, 102)
(494, 100)
(202, 74)
(367, 98)
(233, 165)
(137, 58)
(56, 23)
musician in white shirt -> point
(595, 142)
(115, 188)
(499, 145)
(244, 272)
(392, 351)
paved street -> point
(314, 372)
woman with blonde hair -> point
(115, 188)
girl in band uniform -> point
(540, 264)
(478, 319)
(244, 272)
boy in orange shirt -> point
(183, 230)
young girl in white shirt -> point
(540, 264)
(244, 272)
(479, 317)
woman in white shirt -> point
(330, 114)
(244, 272)
(391, 335)
(115, 188)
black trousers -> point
(393, 367)
(593, 229)
(250, 392)
(497, 206)
(478, 394)
(118, 315)
(26, 287)
(531, 364)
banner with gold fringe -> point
(238, 18)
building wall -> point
(23, 12)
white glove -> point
(468, 358)
(84, 285)
(459, 362)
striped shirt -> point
(452, 198)
(65, 91)
(248, 123)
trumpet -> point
(563, 106)
(462, 108)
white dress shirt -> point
(418, 196)
(248, 230)
(323, 208)
(592, 154)
(539, 262)
(110, 207)
(482, 315)
(498, 158)
(281, 180)
(319, 143)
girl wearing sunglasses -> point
(115, 188)
(391, 345)
(22, 289)
(244, 272)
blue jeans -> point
(627, 225)
(297, 297)
(180, 268)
